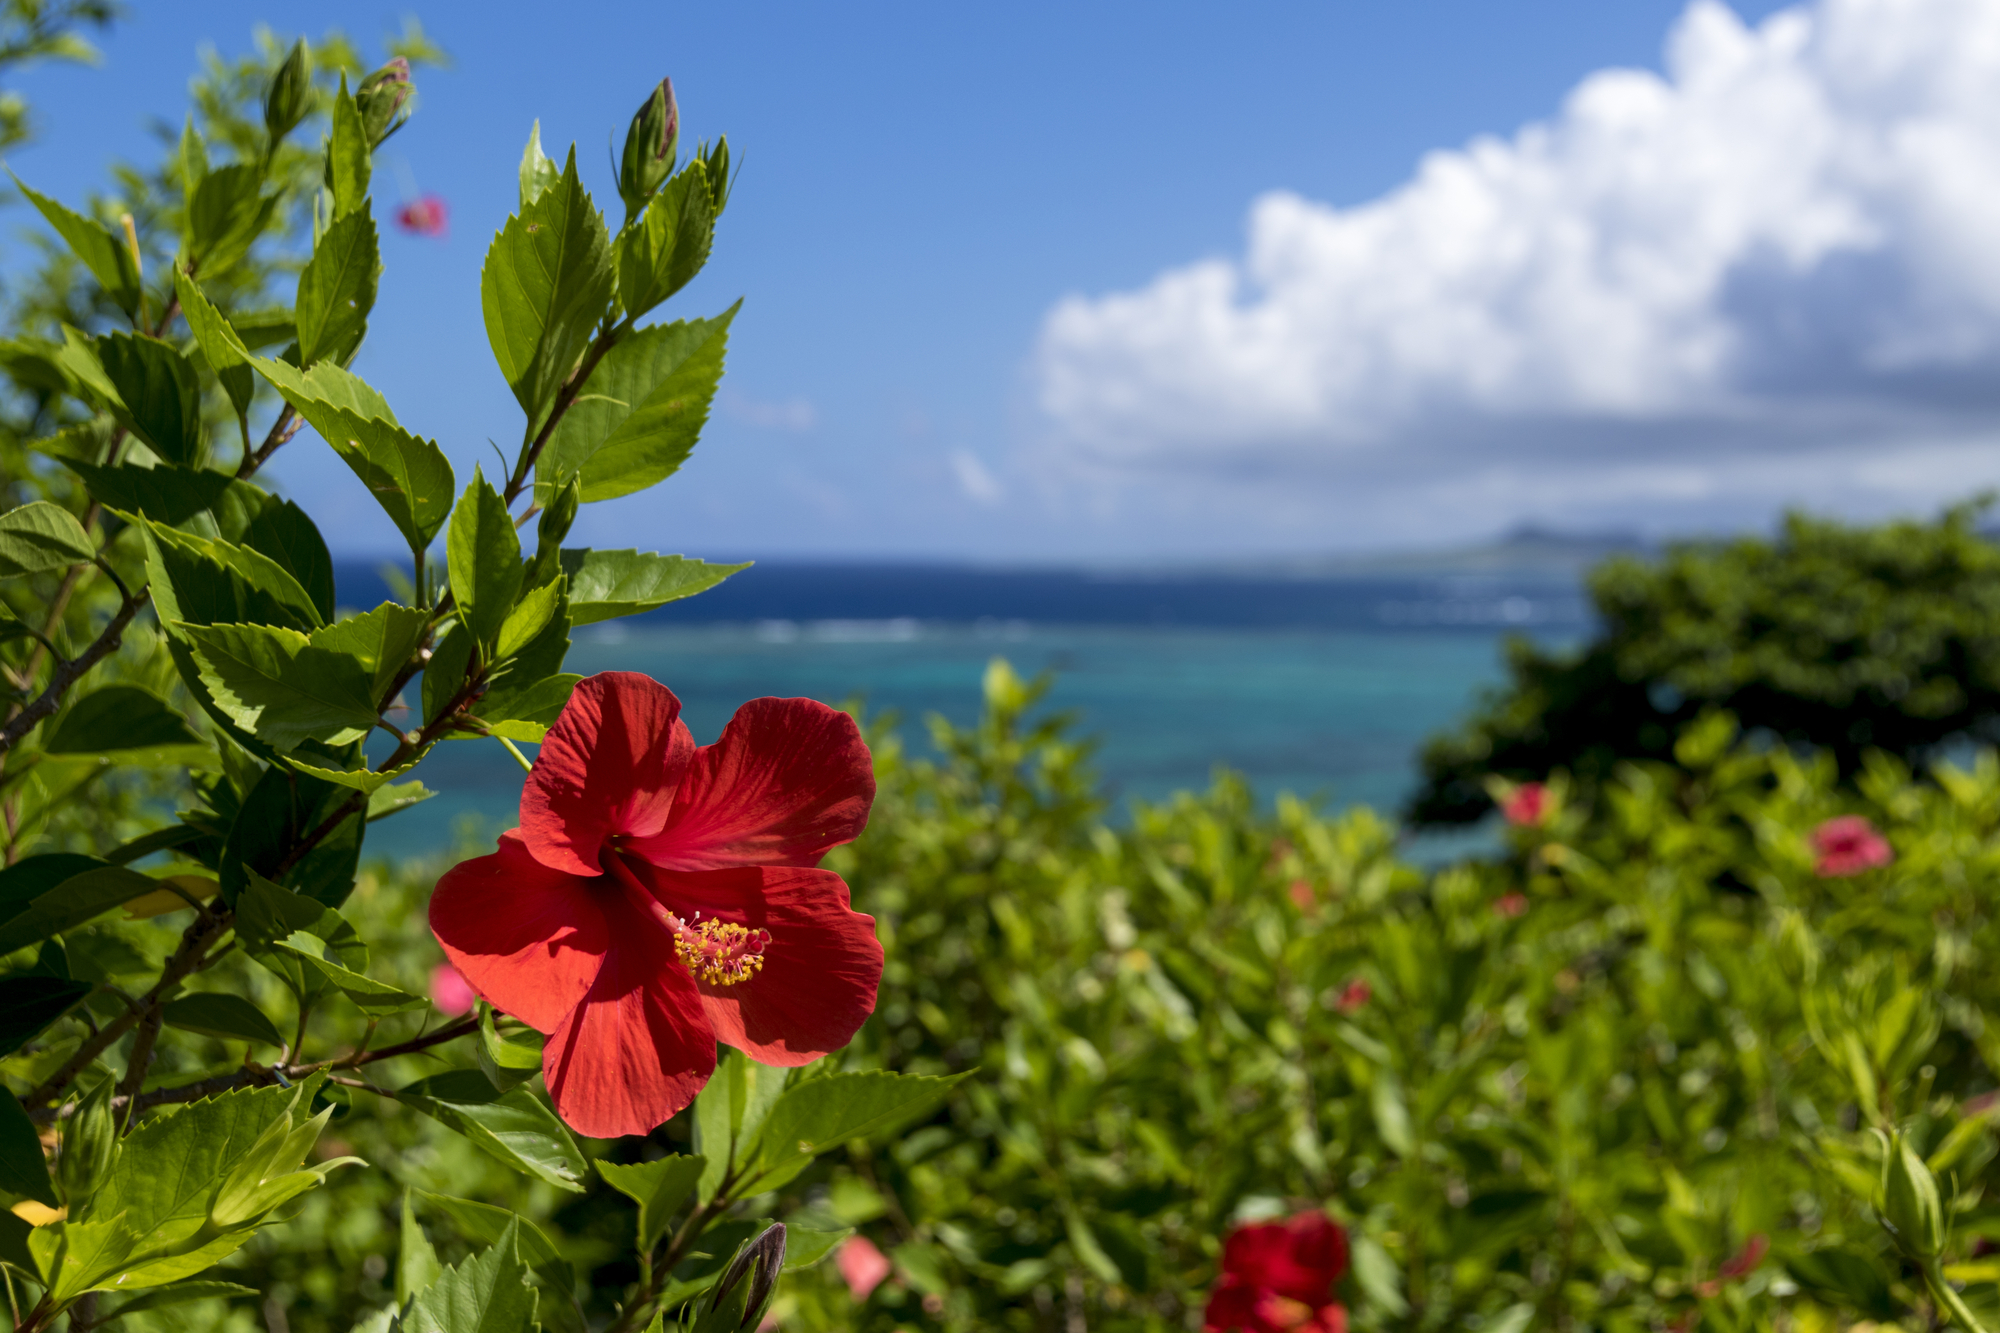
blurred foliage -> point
(1837, 638)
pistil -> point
(717, 952)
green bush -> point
(1835, 638)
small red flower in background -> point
(1527, 805)
(1848, 845)
(660, 897)
(1511, 904)
(1303, 897)
(1278, 1277)
(426, 216)
(1738, 1266)
(450, 992)
(1355, 995)
(862, 1266)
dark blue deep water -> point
(1324, 687)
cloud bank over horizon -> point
(1769, 275)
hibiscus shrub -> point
(187, 1010)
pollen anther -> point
(722, 953)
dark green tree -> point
(1834, 637)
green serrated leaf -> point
(348, 162)
(208, 581)
(488, 1293)
(546, 282)
(641, 410)
(377, 999)
(670, 244)
(29, 1004)
(225, 215)
(105, 254)
(513, 1127)
(484, 554)
(822, 1113)
(382, 640)
(604, 585)
(159, 394)
(281, 530)
(74, 901)
(40, 537)
(224, 350)
(537, 172)
(417, 1263)
(167, 494)
(173, 1167)
(390, 798)
(281, 686)
(119, 718)
(658, 1187)
(267, 913)
(220, 1014)
(23, 1168)
(180, 1292)
(529, 618)
(485, 1224)
(408, 476)
(337, 289)
(730, 1113)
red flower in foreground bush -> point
(1848, 845)
(1278, 1277)
(1527, 805)
(425, 217)
(1510, 904)
(658, 897)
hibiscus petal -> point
(528, 938)
(787, 780)
(610, 765)
(638, 1048)
(821, 967)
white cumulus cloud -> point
(1788, 243)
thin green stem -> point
(1949, 1300)
(526, 765)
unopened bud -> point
(88, 1148)
(651, 147)
(290, 97)
(383, 99)
(1910, 1205)
(747, 1285)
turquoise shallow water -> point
(1332, 713)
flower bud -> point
(382, 100)
(88, 1148)
(651, 147)
(747, 1285)
(290, 97)
(1910, 1206)
(269, 1174)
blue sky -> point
(1174, 280)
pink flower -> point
(1302, 894)
(1511, 904)
(451, 992)
(1528, 805)
(862, 1266)
(1848, 845)
(426, 216)
(1355, 995)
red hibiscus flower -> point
(1527, 806)
(1848, 845)
(1355, 996)
(1510, 904)
(660, 897)
(1278, 1277)
(427, 216)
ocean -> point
(1323, 686)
